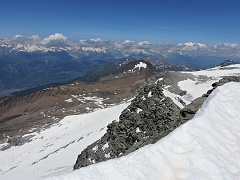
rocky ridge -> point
(148, 118)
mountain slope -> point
(43, 107)
(57, 143)
(48, 147)
(24, 70)
(195, 150)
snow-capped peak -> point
(140, 65)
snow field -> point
(54, 151)
(206, 147)
(196, 88)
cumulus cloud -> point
(144, 43)
(55, 40)
(124, 44)
(226, 45)
(192, 46)
(82, 41)
(96, 43)
(35, 39)
(18, 36)
(127, 42)
(96, 40)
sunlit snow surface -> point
(201, 83)
(55, 150)
(196, 88)
(207, 147)
(174, 97)
(140, 65)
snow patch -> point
(139, 110)
(140, 65)
(107, 155)
(105, 146)
(95, 148)
(69, 100)
(175, 98)
(150, 94)
(138, 130)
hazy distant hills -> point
(22, 70)
(27, 62)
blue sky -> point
(163, 21)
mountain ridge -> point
(28, 64)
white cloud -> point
(82, 41)
(124, 44)
(18, 36)
(144, 43)
(35, 38)
(127, 42)
(226, 45)
(54, 39)
(96, 40)
(192, 46)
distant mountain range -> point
(27, 62)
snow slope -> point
(201, 83)
(204, 79)
(207, 147)
(174, 97)
(54, 150)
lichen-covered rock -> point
(149, 117)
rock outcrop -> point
(148, 118)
